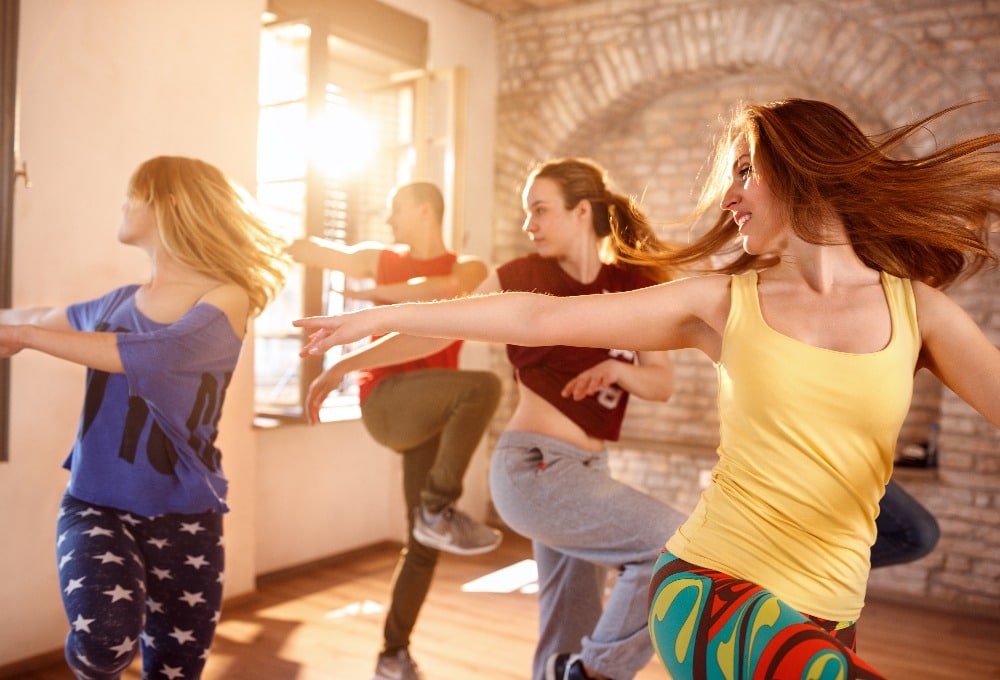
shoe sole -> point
(432, 541)
(550, 668)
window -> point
(343, 120)
(9, 12)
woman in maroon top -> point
(549, 476)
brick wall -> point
(642, 85)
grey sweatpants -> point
(582, 523)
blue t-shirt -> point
(146, 441)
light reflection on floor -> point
(519, 577)
(356, 609)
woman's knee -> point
(485, 385)
(99, 655)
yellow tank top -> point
(807, 439)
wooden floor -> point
(325, 622)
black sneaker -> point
(565, 666)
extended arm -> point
(673, 315)
(48, 317)
(464, 277)
(48, 330)
(358, 262)
(958, 352)
(386, 351)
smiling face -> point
(754, 208)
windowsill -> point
(348, 409)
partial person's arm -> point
(386, 351)
(47, 317)
(957, 351)
(234, 303)
(48, 330)
(464, 277)
(652, 378)
(685, 313)
(358, 262)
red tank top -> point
(395, 267)
(546, 370)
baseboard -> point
(328, 561)
(44, 660)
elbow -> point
(661, 393)
(662, 389)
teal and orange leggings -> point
(707, 625)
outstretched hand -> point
(330, 331)
(319, 389)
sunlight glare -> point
(346, 142)
(355, 609)
(239, 631)
(521, 576)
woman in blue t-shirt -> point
(139, 546)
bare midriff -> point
(535, 414)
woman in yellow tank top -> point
(824, 305)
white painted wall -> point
(104, 85)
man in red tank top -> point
(428, 410)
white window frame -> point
(435, 153)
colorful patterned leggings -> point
(129, 582)
(707, 625)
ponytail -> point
(628, 237)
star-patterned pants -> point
(131, 583)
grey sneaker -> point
(454, 531)
(398, 666)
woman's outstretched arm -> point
(667, 316)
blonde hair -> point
(209, 223)
(926, 218)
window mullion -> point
(9, 18)
(313, 278)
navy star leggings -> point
(131, 583)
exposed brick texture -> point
(641, 86)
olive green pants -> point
(435, 418)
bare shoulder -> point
(933, 305)
(705, 284)
(709, 292)
(700, 307)
(470, 271)
(925, 294)
(234, 303)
